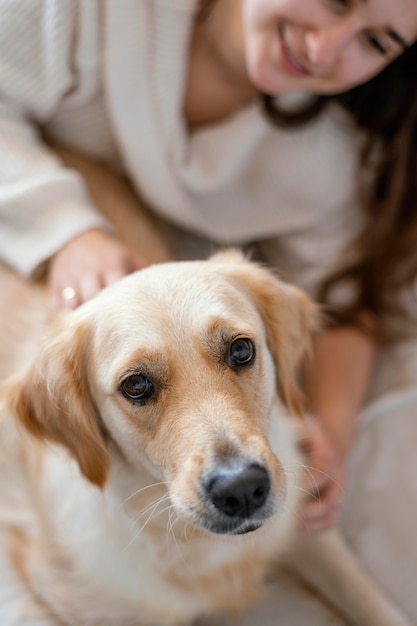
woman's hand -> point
(336, 380)
(85, 265)
(324, 479)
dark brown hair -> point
(386, 251)
(385, 108)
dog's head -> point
(177, 366)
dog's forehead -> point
(170, 303)
(179, 291)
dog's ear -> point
(290, 318)
(52, 399)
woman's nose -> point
(326, 45)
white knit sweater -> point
(107, 77)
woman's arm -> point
(336, 381)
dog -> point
(149, 468)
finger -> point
(113, 276)
(89, 286)
(318, 517)
(329, 473)
(314, 481)
(313, 512)
(329, 493)
(133, 264)
(64, 295)
(317, 482)
(137, 264)
(309, 526)
(68, 290)
(54, 301)
(316, 510)
(324, 485)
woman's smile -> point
(291, 60)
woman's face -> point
(323, 46)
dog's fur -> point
(131, 511)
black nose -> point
(238, 489)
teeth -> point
(289, 52)
(294, 60)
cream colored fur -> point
(106, 514)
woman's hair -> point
(386, 251)
(385, 109)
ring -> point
(68, 293)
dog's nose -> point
(238, 489)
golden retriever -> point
(149, 472)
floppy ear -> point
(290, 318)
(51, 399)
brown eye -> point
(241, 352)
(137, 387)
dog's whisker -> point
(173, 519)
(306, 492)
(310, 473)
(162, 498)
(185, 531)
(322, 473)
(170, 531)
(293, 475)
(309, 469)
(170, 524)
(153, 505)
(138, 491)
(151, 516)
(152, 508)
(311, 493)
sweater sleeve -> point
(42, 204)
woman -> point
(174, 94)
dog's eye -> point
(137, 387)
(241, 352)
